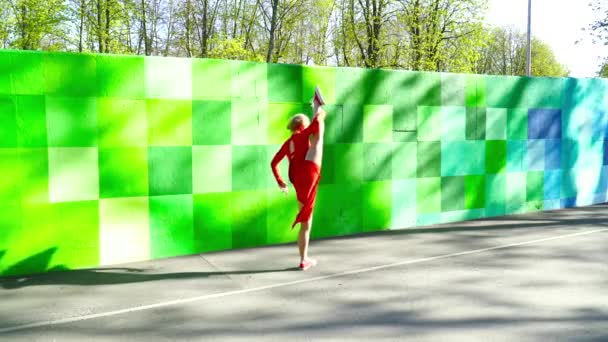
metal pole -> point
(529, 59)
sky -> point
(558, 23)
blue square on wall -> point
(544, 124)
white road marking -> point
(295, 282)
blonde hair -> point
(297, 121)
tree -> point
(603, 72)
(435, 26)
(505, 54)
(35, 21)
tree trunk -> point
(144, 29)
(107, 28)
(273, 27)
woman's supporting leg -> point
(304, 237)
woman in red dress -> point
(304, 150)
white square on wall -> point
(73, 174)
(124, 232)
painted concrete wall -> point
(109, 159)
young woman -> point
(304, 150)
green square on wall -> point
(378, 123)
(378, 162)
(284, 83)
(169, 122)
(123, 172)
(250, 167)
(535, 185)
(452, 193)
(22, 72)
(324, 77)
(496, 156)
(351, 155)
(122, 122)
(120, 76)
(211, 79)
(70, 74)
(377, 203)
(71, 121)
(211, 122)
(249, 122)
(213, 221)
(171, 226)
(212, 169)
(429, 159)
(429, 123)
(249, 80)
(8, 122)
(475, 188)
(31, 121)
(170, 170)
(404, 160)
(248, 218)
(278, 117)
(517, 124)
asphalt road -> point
(536, 277)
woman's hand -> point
(284, 188)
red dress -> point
(303, 174)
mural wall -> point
(109, 159)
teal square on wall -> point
(453, 123)
(170, 170)
(428, 195)
(123, 172)
(496, 194)
(71, 121)
(496, 123)
(211, 122)
(460, 158)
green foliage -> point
(506, 53)
(429, 35)
(232, 49)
